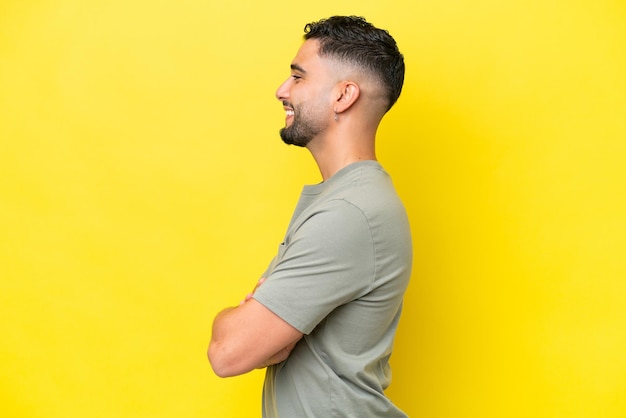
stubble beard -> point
(301, 131)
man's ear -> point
(347, 95)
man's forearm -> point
(248, 337)
(232, 351)
(217, 352)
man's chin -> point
(290, 139)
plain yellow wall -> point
(143, 187)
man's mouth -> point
(288, 109)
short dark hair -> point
(354, 40)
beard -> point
(302, 130)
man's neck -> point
(332, 156)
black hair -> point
(354, 40)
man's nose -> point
(283, 91)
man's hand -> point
(279, 357)
(249, 295)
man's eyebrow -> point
(296, 67)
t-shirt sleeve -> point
(327, 262)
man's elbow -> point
(222, 364)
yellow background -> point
(143, 187)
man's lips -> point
(288, 109)
(289, 113)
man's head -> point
(346, 57)
(355, 42)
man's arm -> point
(248, 337)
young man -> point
(323, 317)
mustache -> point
(287, 104)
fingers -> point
(249, 295)
(279, 357)
(259, 283)
(247, 298)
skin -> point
(250, 336)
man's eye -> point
(296, 77)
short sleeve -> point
(327, 261)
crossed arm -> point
(248, 337)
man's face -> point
(306, 96)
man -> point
(323, 317)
